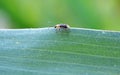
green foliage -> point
(98, 14)
(47, 51)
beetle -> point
(62, 26)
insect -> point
(62, 26)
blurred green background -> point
(97, 14)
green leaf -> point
(48, 51)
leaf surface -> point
(47, 51)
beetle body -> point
(62, 26)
